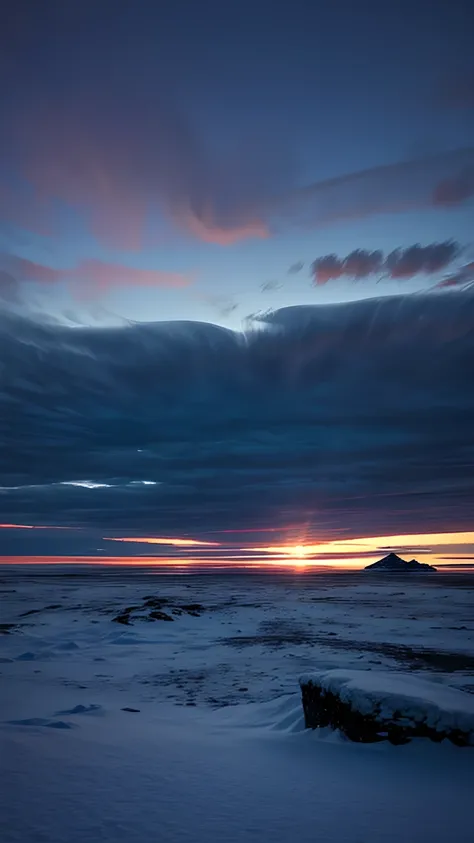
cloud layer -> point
(351, 419)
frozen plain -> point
(216, 749)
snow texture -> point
(193, 731)
(243, 773)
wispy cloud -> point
(464, 276)
(123, 164)
(442, 179)
(89, 277)
(295, 268)
(175, 542)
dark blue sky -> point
(172, 160)
(196, 164)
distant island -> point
(394, 564)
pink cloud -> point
(120, 174)
(116, 175)
(455, 190)
(401, 263)
(93, 275)
(105, 275)
(327, 269)
(209, 232)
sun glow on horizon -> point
(438, 549)
(298, 550)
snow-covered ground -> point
(217, 749)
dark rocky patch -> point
(6, 628)
(155, 602)
(44, 609)
(192, 608)
(125, 619)
(160, 616)
(157, 606)
(274, 634)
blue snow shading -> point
(81, 709)
(40, 721)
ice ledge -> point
(376, 705)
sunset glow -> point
(449, 549)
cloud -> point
(442, 179)
(295, 268)
(122, 163)
(270, 286)
(456, 189)
(401, 263)
(347, 419)
(9, 291)
(327, 269)
(463, 277)
(360, 263)
(89, 277)
(405, 263)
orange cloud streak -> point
(166, 541)
(32, 527)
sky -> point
(236, 269)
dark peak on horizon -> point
(394, 563)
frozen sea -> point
(137, 705)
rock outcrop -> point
(370, 706)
